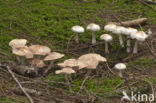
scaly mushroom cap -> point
(53, 56)
(23, 51)
(37, 62)
(110, 27)
(129, 31)
(118, 30)
(17, 43)
(93, 27)
(140, 36)
(77, 29)
(91, 60)
(65, 71)
(72, 63)
(39, 50)
(106, 37)
(120, 66)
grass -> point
(51, 20)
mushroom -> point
(120, 67)
(118, 30)
(107, 38)
(128, 31)
(77, 29)
(140, 36)
(37, 63)
(22, 52)
(91, 60)
(93, 27)
(52, 57)
(17, 43)
(67, 72)
(110, 27)
(40, 50)
(72, 63)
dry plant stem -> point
(135, 49)
(121, 40)
(128, 44)
(106, 48)
(20, 86)
(77, 38)
(110, 69)
(93, 38)
(68, 82)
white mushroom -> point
(52, 57)
(77, 29)
(119, 30)
(120, 67)
(140, 36)
(128, 31)
(93, 27)
(17, 43)
(110, 27)
(65, 71)
(91, 60)
(107, 38)
(72, 63)
(39, 50)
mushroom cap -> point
(77, 29)
(93, 27)
(38, 63)
(72, 63)
(120, 66)
(106, 37)
(91, 60)
(65, 71)
(118, 30)
(110, 27)
(140, 36)
(39, 49)
(129, 31)
(23, 51)
(17, 43)
(53, 56)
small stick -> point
(16, 80)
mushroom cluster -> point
(130, 33)
(34, 56)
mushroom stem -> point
(48, 68)
(67, 81)
(93, 38)
(128, 44)
(135, 49)
(120, 73)
(120, 40)
(106, 48)
(77, 38)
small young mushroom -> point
(107, 38)
(67, 72)
(140, 36)
(118, 30)
(17, 43)
(93, 27)
(72, 63)
(52, 57)
(128, 31)
(120, 67)
(77, 29)
(110, 27)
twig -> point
(16, 80)
(143, 2)
(83, 84)
(110, 69)
(150, 2)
